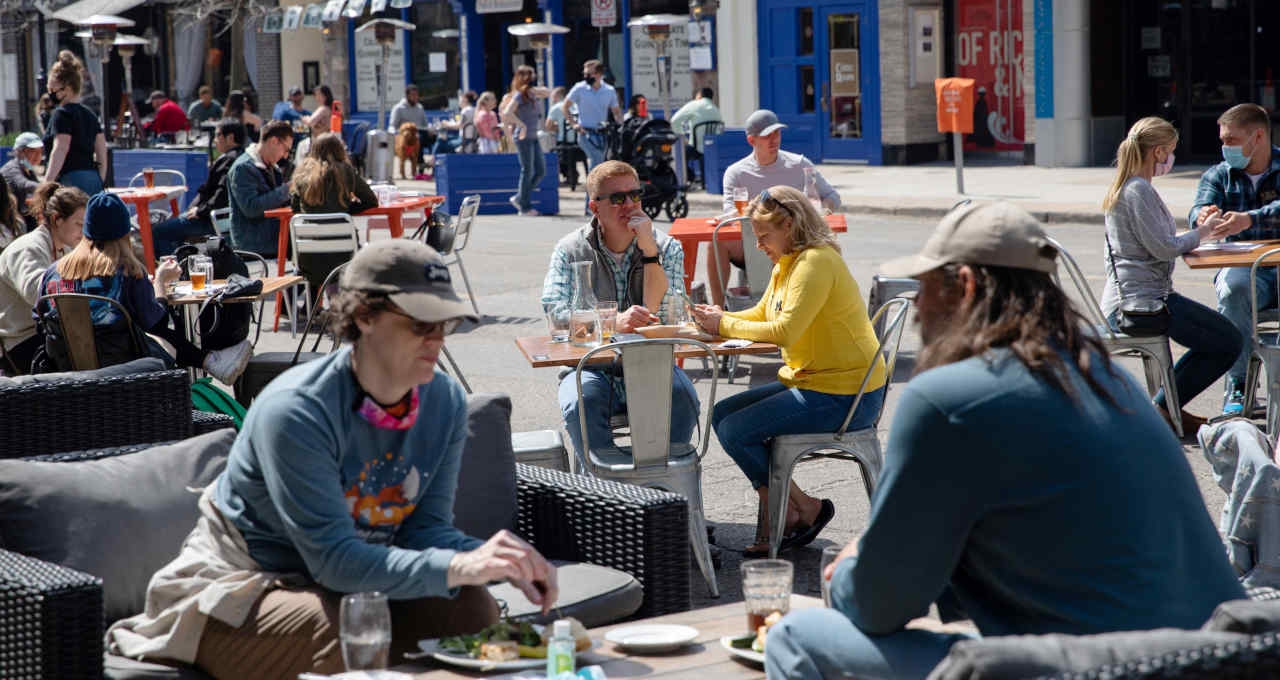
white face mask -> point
(1165, 167)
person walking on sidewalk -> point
(1142, 246)
(595, 101)
(522, 111)
(1243, 191)
(767, 165)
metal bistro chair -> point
(1157, 359)
(79, 333)
(860, 446)
(451, 245)
(174, 178)
(221, 219)
(884, 289)
(1264, 353)
(321, 242)
(469, 139)
(700, 132)
(758, 272)
(652, 459)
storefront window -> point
(436, 70)
(804, 30)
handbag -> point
(1138, 318)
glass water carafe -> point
(584, 321)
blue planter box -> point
(193, 164)
(495, 177)
(721, 151)
(5, 153)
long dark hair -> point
(523, 79)
(1026, 312)
(326, 93)
(235, 105)
(321, 172)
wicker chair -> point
(48, 417)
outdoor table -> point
(690, 231)
(1212, 258)
(394, 212)
(189, 303)
(704, 657)
(541, 352)
(141, 198)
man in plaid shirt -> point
(638, 267)
(1244, 191)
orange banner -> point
(955, 104)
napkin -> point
(735, 343)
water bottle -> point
(811, 190)
(560, 649)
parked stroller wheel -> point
(678, 207)
(651, 209)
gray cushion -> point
(144, 365)
(486, 497)
(1029, 656)
(590, 593)
(118, 518)
(1245, 616)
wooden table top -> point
(270, 286)
(541, 352)
(703, 659)
(700, 228)
(1202, 258)
(146, 195)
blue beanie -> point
(105, 217)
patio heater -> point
(127, 46)
(102, 31)
(379, 151)
(539, 35)
(658, 28)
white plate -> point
(431, 648)
(748, 654)
(652, 637)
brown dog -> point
(407, 149)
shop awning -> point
(83, 9)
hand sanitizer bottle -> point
(560, 649)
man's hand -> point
(708, 317)
(634, 318)
(1208, 212)
(640, 225)
(507, 557)
(850, 550)
(1233, 223)
(191, 212)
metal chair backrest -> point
(1092, 310)
(76, 322)
(896, 311)
(221, 219)
(175, 178)
(651, 390)
(323, 233)
(706, 127)
(1253, 289)
(466, 216)
(759, 267)
(470, 137)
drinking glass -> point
(766, 588)
(201, 269)
(740, 200)
(557, 321)
(365, 631)
(149, 177)
(677, 313)
(608, 311)
(829, 555)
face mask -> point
(57, 98)
(1235, 156)
(591, 80)
(26, 165)
(378, 417)
(1165, 167)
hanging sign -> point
(377, 6)
(273, 22)
(604, 13)
(644, 67)
(368, 59)
(332, 11)
(313, 17)
(495, 6)
(293, 18)
(355, 8)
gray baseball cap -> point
(412, 275)
(295, 90)
(998, 234)
(28, 140)
(763, 122)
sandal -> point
(805, 536)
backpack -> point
(205, 396)
(440, 232)
(221, 325)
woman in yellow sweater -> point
(814, 312)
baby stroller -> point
(648, 146)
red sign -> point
(988, 49)
(955, 104)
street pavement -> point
(507, 259)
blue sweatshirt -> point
(316, 489)
(1042, 515)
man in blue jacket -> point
(257, 185)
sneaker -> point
(227, 364)
(515, 202)
(531, 212)
(1233, 402)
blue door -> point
(820, 72)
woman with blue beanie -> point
(104, 264)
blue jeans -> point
(168, 235)
(88, 181)
(747, 421)
(601, 403)
(1232, 286)
(592, 143)
(1212, 344)
(533, 166)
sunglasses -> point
(620, 197)
(426, 329)
(772, 203)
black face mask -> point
(591, 80)
(57, 98)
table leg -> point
(144, 227)
(395, 224)
(282, 250)
(173, 205)
(690, 247)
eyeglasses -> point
(426, 329)
(772, 203)
(620, 197)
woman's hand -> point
(507, 557)
(168, 271)
(708, 317)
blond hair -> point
(322, 172)
(68, 70)
(606, 171)
(101, 258)
(791, 209)
(1144, 137)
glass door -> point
(848, 69)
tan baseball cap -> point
(997, 234)
(412, 275)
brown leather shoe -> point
(1190, 421)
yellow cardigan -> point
(814, 312)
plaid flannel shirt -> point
(557, 287)
(1232, 190)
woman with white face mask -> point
(1142, 245)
